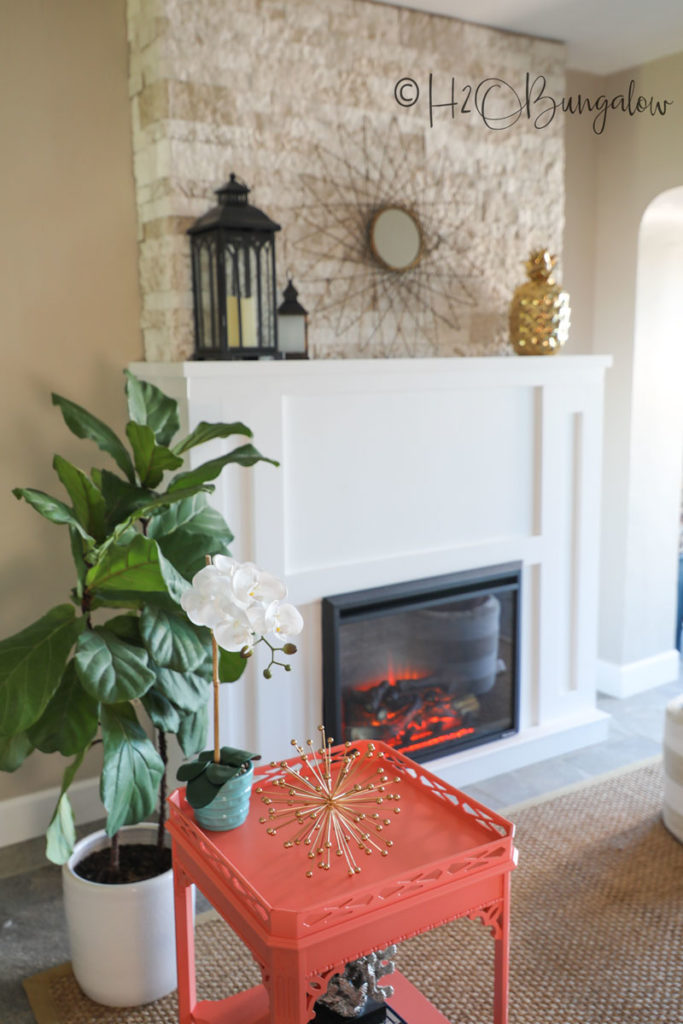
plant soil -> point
(137, 861)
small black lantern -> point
(292, 325)
(233, 278)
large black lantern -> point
(233, 278)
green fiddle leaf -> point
(135, 599)
(204, 432)
(151, 460)
(193, 731)
(83, 424)
(172, 640)
(162, 713)
(31, 666)
(148, 405)
(70, 721)
(87, 500)
(53, 509)
(133, 566)
(122, 499)
(61, 832)
(187, 690)
(231, 665)
(189, 529)
(111, 670)
(145, 506)
(78, 552)
(13, 751)
(245, 455)
(126, 627)
(132, 768)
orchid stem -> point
(216, 708)
(216, 691)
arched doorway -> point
(656, 442)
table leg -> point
(502, 957)
(184, 938)
(287, 988)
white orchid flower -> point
(252, 585)
(225, 565)
(209, 599)
(241, 604)
(282, 621)
(234, 634)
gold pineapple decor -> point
(539, 312)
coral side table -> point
(451, 858)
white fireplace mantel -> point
(400, 469)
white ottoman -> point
(672, 811)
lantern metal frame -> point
(290, 306)
(234, 241)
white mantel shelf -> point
(519, 369)
(400, 469)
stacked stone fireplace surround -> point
(398, 461)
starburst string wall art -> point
(333, 803)
(359, 307)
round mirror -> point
(395, 238)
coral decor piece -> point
(539, 312)
(242, 606)
(333, 800)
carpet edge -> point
(38, 993)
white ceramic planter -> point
(122, 937)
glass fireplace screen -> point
(429, 666)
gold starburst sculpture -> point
(333, 802)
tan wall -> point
(577, 273)
(69, 301)
(610, 181)
(642, 157)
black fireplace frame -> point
(429, 592)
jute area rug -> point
(597, 927)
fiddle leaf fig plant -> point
(122, 654)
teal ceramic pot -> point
(230, 807)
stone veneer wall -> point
(297, 98)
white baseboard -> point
(25, 817)
(625, 680)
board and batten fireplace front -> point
(406, 469)
(428, 666)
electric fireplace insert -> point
(429, 666)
